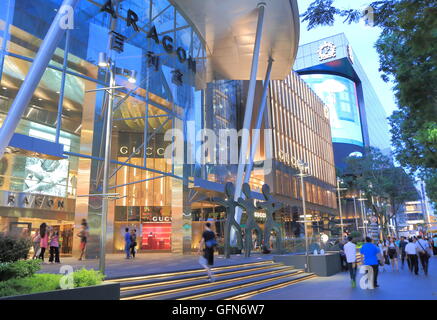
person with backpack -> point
(209, 243)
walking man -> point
(350, 250)
(402, 244)
(127, 243)
(422, 248)
(412, 259)
(372, 255)
(209, 242)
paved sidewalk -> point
(400, 285)
(148, 263)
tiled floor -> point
(400, 285)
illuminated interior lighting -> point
(133, 77)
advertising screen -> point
(340, 95)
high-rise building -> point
(301, 132)
(358, 119)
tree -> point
(407, 49)
(384, 184)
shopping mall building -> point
(191, 61)
(358, 119)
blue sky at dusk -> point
(362, 39)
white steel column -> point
(355, 213)
(248, 111)
(261, 110)
(108, 150)
(36, 71)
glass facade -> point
(154, 192)
(301, 131)
(165, 96)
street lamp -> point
(339, 205)
(361, 199)
(355, 212)
(303, 167)
(105, 62)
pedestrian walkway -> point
(149, 263)
(400, 285)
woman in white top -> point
(393, 253)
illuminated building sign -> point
(125, 151)
(260, 215)
(327, 51)
(34, 201)
(166, 41)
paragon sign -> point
(166, 41)
(34, 201)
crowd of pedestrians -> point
(46, 239)
(416, 251)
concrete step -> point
(230, 281)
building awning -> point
(228, 28)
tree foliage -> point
(385, 186)
(407, 49)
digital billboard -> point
(340, 95)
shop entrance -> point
(28, 227)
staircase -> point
(235, 282)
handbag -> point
(426, 253)
(211, 243)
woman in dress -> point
(393, 253)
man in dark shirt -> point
(402, 244)
(209, 241)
